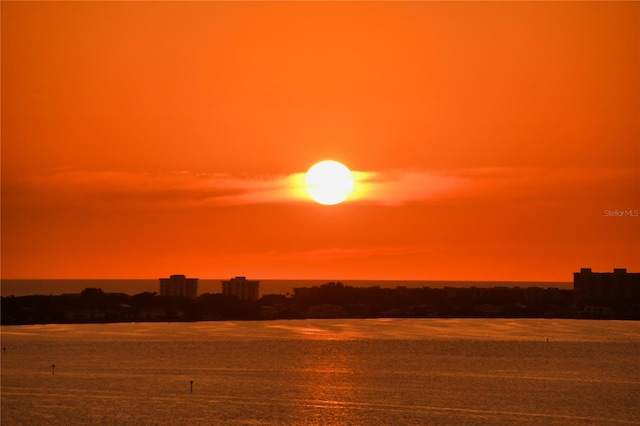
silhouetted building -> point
(299, 292)
(606, 288)
(242, 288)
(179, 285)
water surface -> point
(324, 372)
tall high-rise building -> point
(179, 285)
(242, 288)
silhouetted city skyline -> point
(595, 295)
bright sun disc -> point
(328, 182)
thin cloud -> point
(401, 187)
(184, 189)
(174, 189)
(361, 252)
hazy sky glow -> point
(487, 140)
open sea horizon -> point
(27, 287)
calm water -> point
(324, 372)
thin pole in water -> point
(191, 383)
(53, 369)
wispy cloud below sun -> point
(395, 187)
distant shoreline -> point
(329, 300)
(58, 286)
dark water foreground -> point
(323, 372)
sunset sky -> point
(488, 140)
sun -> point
(329, 182)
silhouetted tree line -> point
(94, 305)
(434, 302)
(330, 300)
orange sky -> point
(151, 138)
